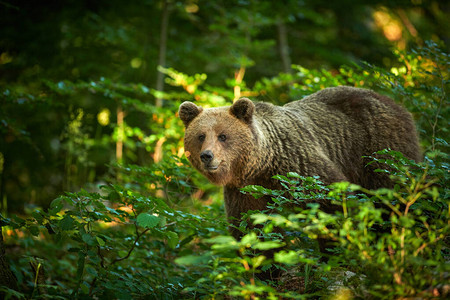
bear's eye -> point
(201, 137)
(222, 137)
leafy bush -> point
(120, 241)
(403, 253)
(388, 243)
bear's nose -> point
(206, 156)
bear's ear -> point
(243, 109)
(188, 111)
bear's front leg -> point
(237, 203)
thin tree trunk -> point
(120, 139)
(162, 50)
(408, 25)
(120, 134)
(283, 46)
(238, 77)
(161, 62)
(158, 155)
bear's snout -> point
(206, 156)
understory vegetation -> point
(160, 232)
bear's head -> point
(219, 142)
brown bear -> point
(325, 134)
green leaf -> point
(192, 260)
(56, 205)
(221, 239)
(293, 174)
(66, 223)
(172, 239)
(37, 215)
(293, 257)
(147, 220)
(88, 239)
(259, 218)
(288, 258)
(249, 239)
(34, 230)
(80, 267)
(12, 293)
(268, 245)
(92, 271)
(84, 288)
(100, 241)
(223, 242)
(257, 261)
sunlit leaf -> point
(100, 241)
(268, 245)
(147, 220)
(192, 259)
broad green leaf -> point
(147, 220)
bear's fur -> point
(325, 134)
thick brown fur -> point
(325, 134)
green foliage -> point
(85, 62)
(118, 242)
(399, 247)
(159, 231)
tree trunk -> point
(162, 50)
(7, 278)
(283, 46)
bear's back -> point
(345, 99)
(343, 124)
